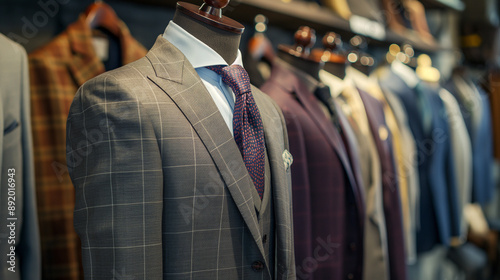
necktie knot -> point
(235, 76)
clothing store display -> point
(19, 237)
(325, 185)
(438, 190)
(231, 148)
(376, 256)
(462, 152)
(198, 214)
(57, 70)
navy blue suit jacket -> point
(438, 209)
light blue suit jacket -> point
(16, 159)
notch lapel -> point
(178, 79)
(310, 104)
(332, 135)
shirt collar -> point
(196, 52)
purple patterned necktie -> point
(247, 124)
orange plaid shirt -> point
(57, 70)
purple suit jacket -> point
(390, 186)
(327, 204)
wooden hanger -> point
(305, 37)
(331, 52)
(332, 56)
(211, 13)
(299, 55)
(100, 14)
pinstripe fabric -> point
(57, 70)
(164, 192)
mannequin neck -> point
(225, 43)
(336, 69)
(309, 67)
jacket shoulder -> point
(122, 84)
(57, 49)
(137, 70)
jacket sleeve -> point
(115, 165)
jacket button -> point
(350, 276)
(264, 238)
(257, 266)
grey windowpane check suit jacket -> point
(161, 188)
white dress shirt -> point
(200, 56)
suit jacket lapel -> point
(178, 79)
(273, 134)
(84, 64)
(290, 83)
(310, 104)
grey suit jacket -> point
(462, 150)
(16, 163)
(161, 188)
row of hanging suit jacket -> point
(383, 166)
(357, 181)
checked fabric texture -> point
(247, 123)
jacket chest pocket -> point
(11, 135)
